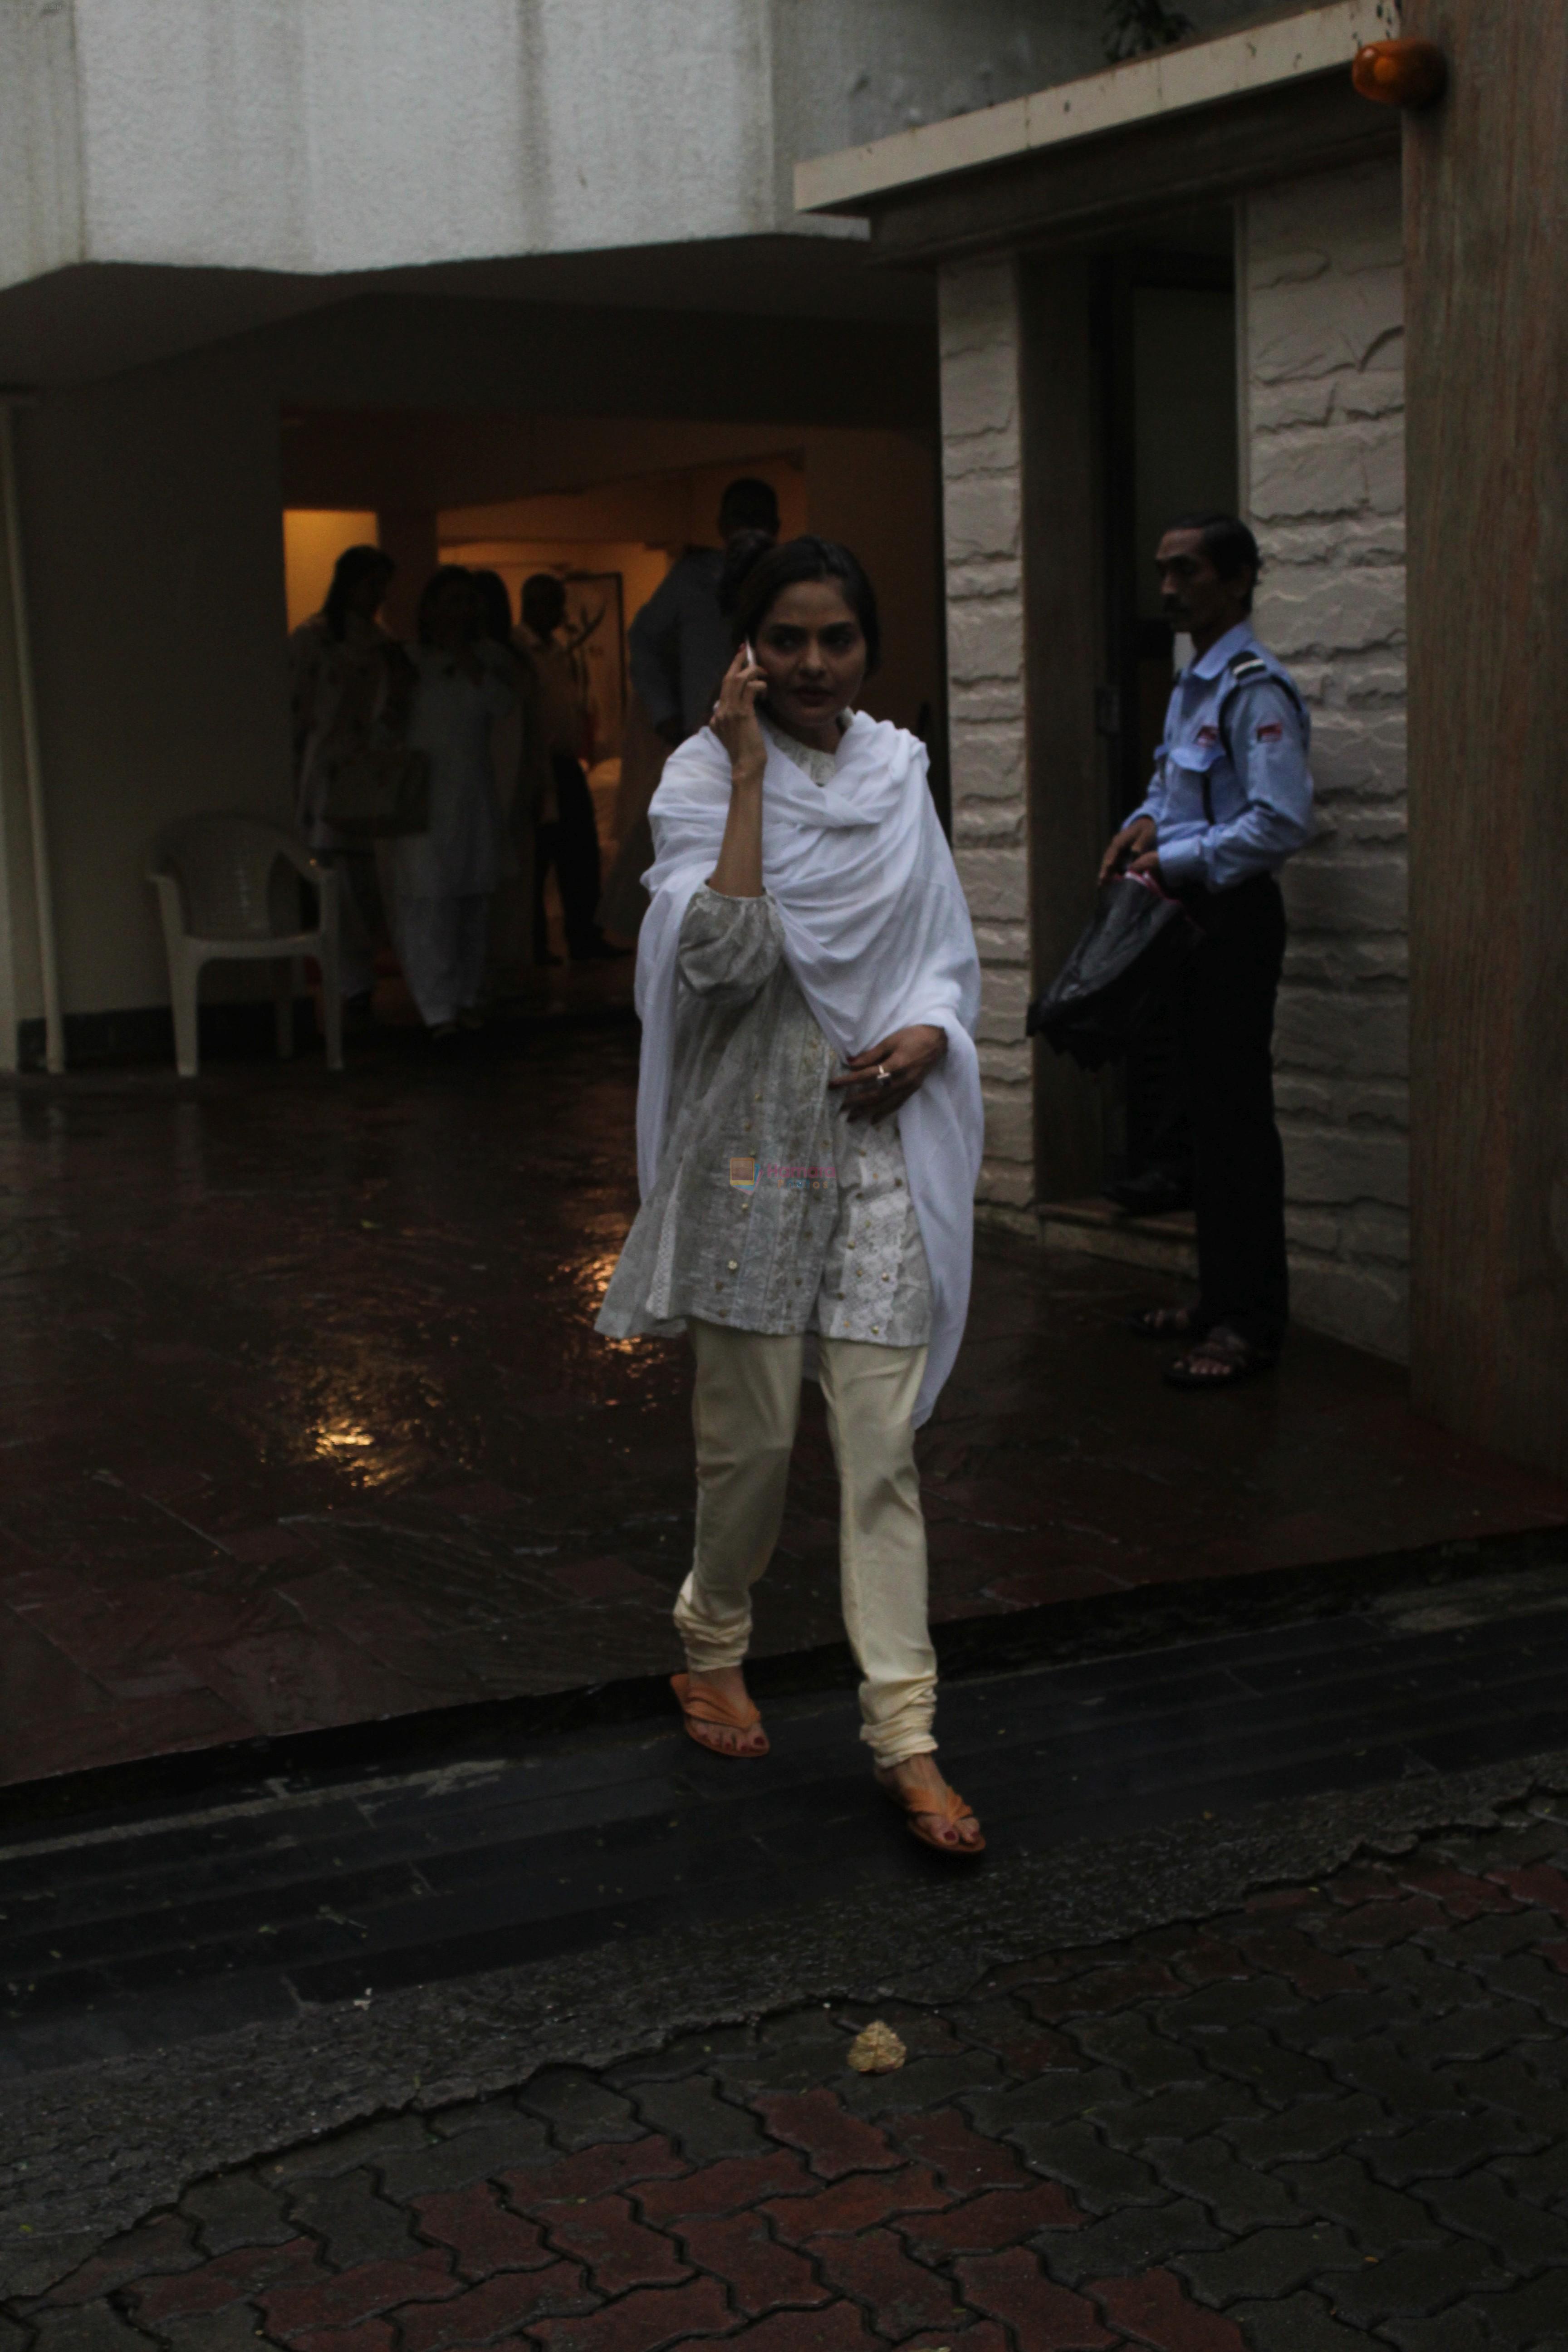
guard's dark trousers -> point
(1225, 1027)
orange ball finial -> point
(1401, 73)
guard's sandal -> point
(705, 1712)
(922, 1806)
(1161, 1323)
(1219, 1361)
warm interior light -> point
(1401, 73)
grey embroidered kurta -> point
(772, 1211)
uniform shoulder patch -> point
(1245, 669)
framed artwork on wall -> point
(594, 629)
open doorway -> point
(1167, 340)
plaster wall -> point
(316, 136)
(1323, 339)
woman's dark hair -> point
(743, 553)
(809, 559)
(439, 580)
(496, 598)
(353, 566)
(1228, 544)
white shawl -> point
(878, 936)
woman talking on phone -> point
(809, 1140)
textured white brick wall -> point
(1323, 396)
(985, 671)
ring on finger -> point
(884, 1076)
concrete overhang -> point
(1185, 124)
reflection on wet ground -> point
(307, 1423)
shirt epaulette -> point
(1245, 667)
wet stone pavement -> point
(1334, 2115)
(305, 1423)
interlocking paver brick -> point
(833, 2141)
(1043, 2316)
(1270, 2261)
(1533, 2313)
(1155, 2310)
(962, 2159)
(1526, 2237)
(620, 2251)
(1218, 2009)
(86, 2327)
(370, 2336)
(1001, 2026)
(859, 2202)
(1463, 1894)
(1436, 1985)
(237, 2329)
(484, 2234)
(984, 2224)
(497, 2306)
(1344, 2017)
(1406, 2090)
(423, 2277)
(703, 2126)
(1282, 1950)
(236, 2208)
(924, 2083)
(481, 2152)
(1057, 2097)
(1507, 2083)
(759, 2273)
(580, 2110)
(1183, 2114)
(1530, 1979)
(1443, 2148)
(1317, 2128)
(345, 2151)
(1460, 2330)
(1417, 2280)
(1466, 2034)
(1280, 2077)
(352, 2222)
(1237, 2194)
(1128, 2044)
(1101, 1989)
(1542, 2177)
(1099, 2178)
(233, 2276)
(653, 2316)
(901, 2295)
(1538, 1884)
(1127, 2243)
(1296, 2323)
(167, 2242)
(724, 2186)
(839, 2329)
(592, 2171)
(1379, 2218)
(1383, 1923)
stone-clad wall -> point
(1323, 412)
(981, 451)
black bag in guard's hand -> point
(1118, 970)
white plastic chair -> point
(228, 890)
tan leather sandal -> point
(703, 1710)
(949, 1807)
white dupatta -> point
(878, 936)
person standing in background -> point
(348, 681)
(570, 840)
(678, 647)
(524, 787)
(441, 880)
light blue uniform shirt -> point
(1232, 792)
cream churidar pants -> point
(744, 1412)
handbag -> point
(1122, 967)
(378, 791)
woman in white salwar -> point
(441, 880)
(808, 1133)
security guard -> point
(1231, 799)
